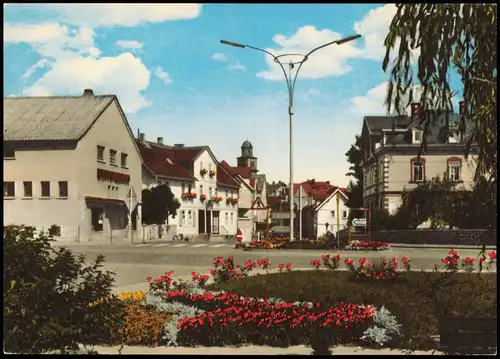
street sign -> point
(258, 205)
(359, 222)
(239, 236)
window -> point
(344, 214)
(183, 218)
(9, 189)
(216, 191)
(190, 219)
(227, 193)
(100, 153)
(210, 192)
(112, 157)
(417, 170)
(454, 170)
(8, 152)
(232, 218)
(417, 136)
(28, 189)
(63, 189)
(332, 214)
(201, 166)
(45, 188)
(226, 218)
(201, 189)
(189, 188)
(183, 188)
(209, 167)
(124, 160)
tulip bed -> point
(313, 244)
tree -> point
(158, 203)
(355, 157)
(459, 37)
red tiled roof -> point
(225, 178)
(156, 159)
(187, 154)
(317, 189)
(245, 172)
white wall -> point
(324, 215)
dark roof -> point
(375, 124)
(162, 160)
(247, 144)
(225, 178)
(54, 118)
(245, 172)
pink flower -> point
(149, 279)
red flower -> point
(194, 274)
(289, 266)
(492, 255)
(149, 279)
(405, 259)
(385, 262)
(281, 266)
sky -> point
(174, 79)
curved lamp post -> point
(290, 82)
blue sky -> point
(174, 79)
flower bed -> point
(367, 246)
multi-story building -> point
(63, 169)
(208, 194)
(317, 202)
(253, 188)
(392, 163)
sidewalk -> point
(441, 246)
(250, 350)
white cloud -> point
(96, 15)
(237, 66)
(129, 44)
(52, 39)
(329, 61)
(104, 75)
(374, 28)
(39, 65)
(219, 57)
(162, 75)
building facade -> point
(207, 194)
(62, 169)
(392, 164)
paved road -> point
(133, 263)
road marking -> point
(162, 245)
(199, 245)
(179, 245)
(218, 245)
(142, 245)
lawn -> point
(418, 299)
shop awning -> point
(105, 200)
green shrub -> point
(417, 301)
(52, 299)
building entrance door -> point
(215, 222)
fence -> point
(438, 236)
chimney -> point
(88, 92)
(179, 145)
(462, 108)
(415, 111)
(327, 182)
(160, 140)
(142, 137)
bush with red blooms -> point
(281, 267)
(200, 279)
(452, 262)
(367, 246)
(230, 319)
(316, 263)
(162, 284)
(225, 269)
(331, 262)
(265, 264)
(380, 271)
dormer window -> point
(417, 135)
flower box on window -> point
(203, 171)
(212, 173)
(216, 199)
(234, 200)
(110, 176)
(188, 195)
(203, 197)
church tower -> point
(247, 159)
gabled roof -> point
(339, 190)
(235, 174)
(54, 118)
(225, 178)
(245, 172)
(162, 161)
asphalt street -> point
(133, 263)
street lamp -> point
(290, 82)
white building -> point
(325, 214)
(62, 167)
(207, 193)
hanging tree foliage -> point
(458, 37)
